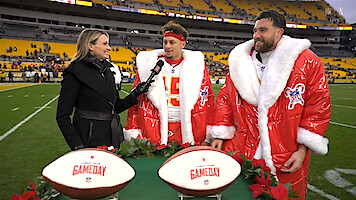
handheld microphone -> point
(156, 70)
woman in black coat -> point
(89, 88)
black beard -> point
(265, 47)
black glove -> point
(141, 88)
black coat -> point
(88, 85)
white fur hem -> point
(131, 133)
(208, 135)
(315, 142)
(221, 132)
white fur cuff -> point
(208, 137)
(131, 133)
(221, 132)
(315, 142)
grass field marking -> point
(124, 91)
(14, 88)
(352, 191)
(346, 171)
(335, 178)
(322, 193)
(345, 125)
(343, 106)
(27, 118)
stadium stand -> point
(26, 48)
(51, 31)
(246, 6)
(217, 57)
(122, 55)
(197, 5)
(170, 3)
(222, 6)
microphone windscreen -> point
(158, 67)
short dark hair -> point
(175, 28)
(277, 18)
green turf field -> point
(33, 140)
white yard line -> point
(343, 106)
(124, 92)
(26, 119)
(344, 125)
(41, 107)
(322, 193)
(346, 171)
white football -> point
(200, 171)
(88, 174)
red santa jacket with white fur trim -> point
(268, 120)
(149, 118)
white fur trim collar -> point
(191, 77)
(275, 77)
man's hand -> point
(205, 143)
(217, 143)
(296, 160)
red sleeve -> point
(223, 111)
(316, 113)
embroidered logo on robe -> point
(295, 95)
(204, 95)
(170, 133)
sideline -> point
(26, 119)
(322, 193)
(15, 86)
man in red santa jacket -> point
(179, 105)
(275, 104)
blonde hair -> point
(87, 36)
